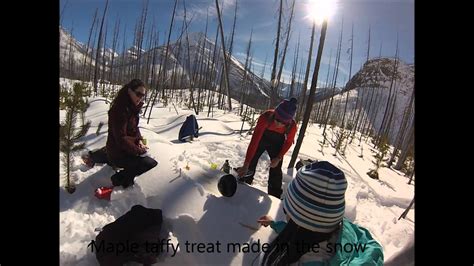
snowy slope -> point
(69, 48)
(376, 75)
(192, 207)
(179, 58)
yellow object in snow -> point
(213, 166)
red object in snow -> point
(88, 161)
(104, 192)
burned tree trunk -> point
(273, 81)
(99, 43)
(312, 91)
(226, 73)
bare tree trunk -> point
(244, 77)
(411, 174)
(388, 128)
(312, 91)
(364, 131)
(71, 56)
(308, 66)
(151, 38)
(299, 82)
(214, 67)
(407, 145)
(114, 46)
(209, 81)
(318, 107)
(200, 74)
(336, 72)
(156, 41)
(293, 72)
(367, 116)
(350, 73)
(273, 87)
(87, 47)
(132, 66)
(385, 113)
(378, 105)
(360, 115)
(403, 127)
(356, 123)
(193, 78)
(287, 40)
(99, 43)
(104, 50)
(226, 73)
(89, 76)
(163, 63)
(245, 116)
(404, 214)
(321, 114)
(140, 34)
(220, 99)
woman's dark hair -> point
(133, 85)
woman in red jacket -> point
(274, 133)
(125, 148)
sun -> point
(319, 10)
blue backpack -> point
(189, 129)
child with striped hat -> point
(314, 207)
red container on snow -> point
(103, 192)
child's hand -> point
(265, 220)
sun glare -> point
(319, 10)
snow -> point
(194, 210)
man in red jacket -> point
(124, 142)
(275, 133)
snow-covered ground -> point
(184, 186)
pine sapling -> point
(379, 156)
(69, 136)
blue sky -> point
(387, 18)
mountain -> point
(184, 55)
(376, 75)
(70, 51)
(196, 54)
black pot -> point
(227, 185)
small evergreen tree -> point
(409, 167)
(63, 95)
(69, 134)
(341, 136)
(383, 149)
(79, 94)
(323, 144)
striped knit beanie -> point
(315, 197)
(286, 110)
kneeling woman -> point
(125, 148)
